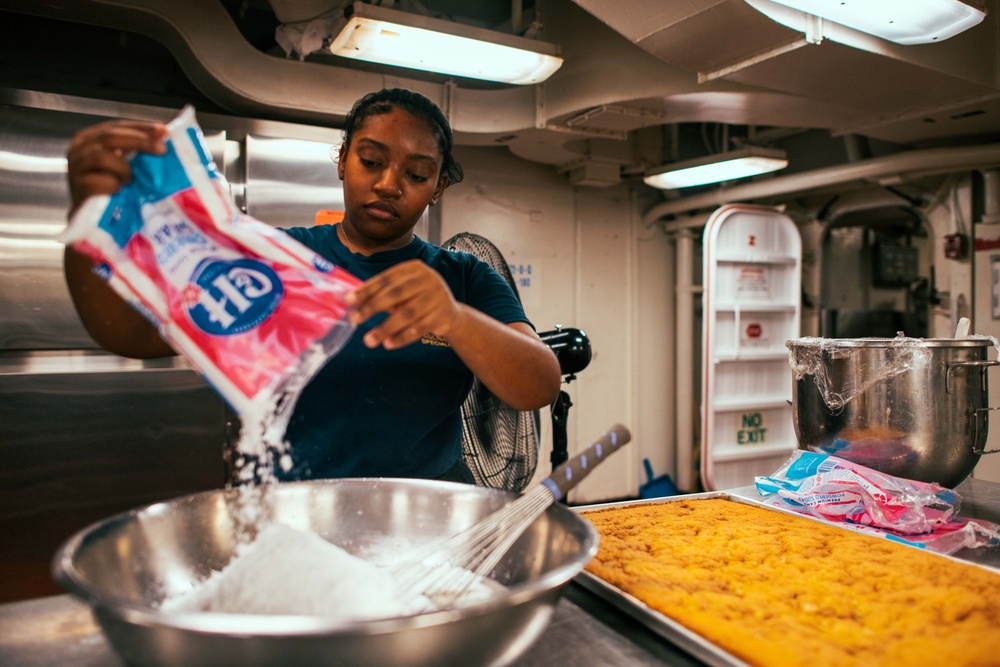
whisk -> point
(446, 571)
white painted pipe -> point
(516, 16)
(991, 196)
(890, 168)
(690, 222)
(684, 369)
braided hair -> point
(387, 99)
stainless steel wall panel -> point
(37, 312)
(289, 180)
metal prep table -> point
(58, 631)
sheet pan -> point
(660, 623)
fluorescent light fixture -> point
(742, 163)
(391, 37)
(900, 21)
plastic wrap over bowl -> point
(126, 565)
(910, 407)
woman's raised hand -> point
(416, 299)
(97, 160)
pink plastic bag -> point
(908, 511)
(250, 308)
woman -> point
(388, 404)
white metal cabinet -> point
(752, 305)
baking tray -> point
(661, 624)
(665, 626)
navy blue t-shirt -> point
(391, 413)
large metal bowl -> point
(909, 407)
(126, 565)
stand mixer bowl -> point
(909, 407)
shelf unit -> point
(752, 305)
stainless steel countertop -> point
(58, 631)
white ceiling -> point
(638, 75)
(866, 85)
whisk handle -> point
(571, 473)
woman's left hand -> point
(510, 359)
(416, 299)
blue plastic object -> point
(656, 487)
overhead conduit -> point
(888, 169)
(231, 72)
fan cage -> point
(499, 443)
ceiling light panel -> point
(391, 37)
(743, 163)
(900, 21)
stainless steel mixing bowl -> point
(910, 407)
(126, 565)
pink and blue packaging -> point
(248, 306)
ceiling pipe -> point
(684, 325)
(857, 148)
(696, 221)
(991, 197)
(888, 169)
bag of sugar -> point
(917, 513)
(252, 310)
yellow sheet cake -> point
(774, 589)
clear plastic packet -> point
(837, 490)
(254, 311)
